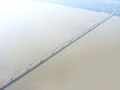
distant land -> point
(96, 5)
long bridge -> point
(51, 54)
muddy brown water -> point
(91, 63)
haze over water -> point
(29, 32)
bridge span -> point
(51, 54)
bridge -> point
(51, 54)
